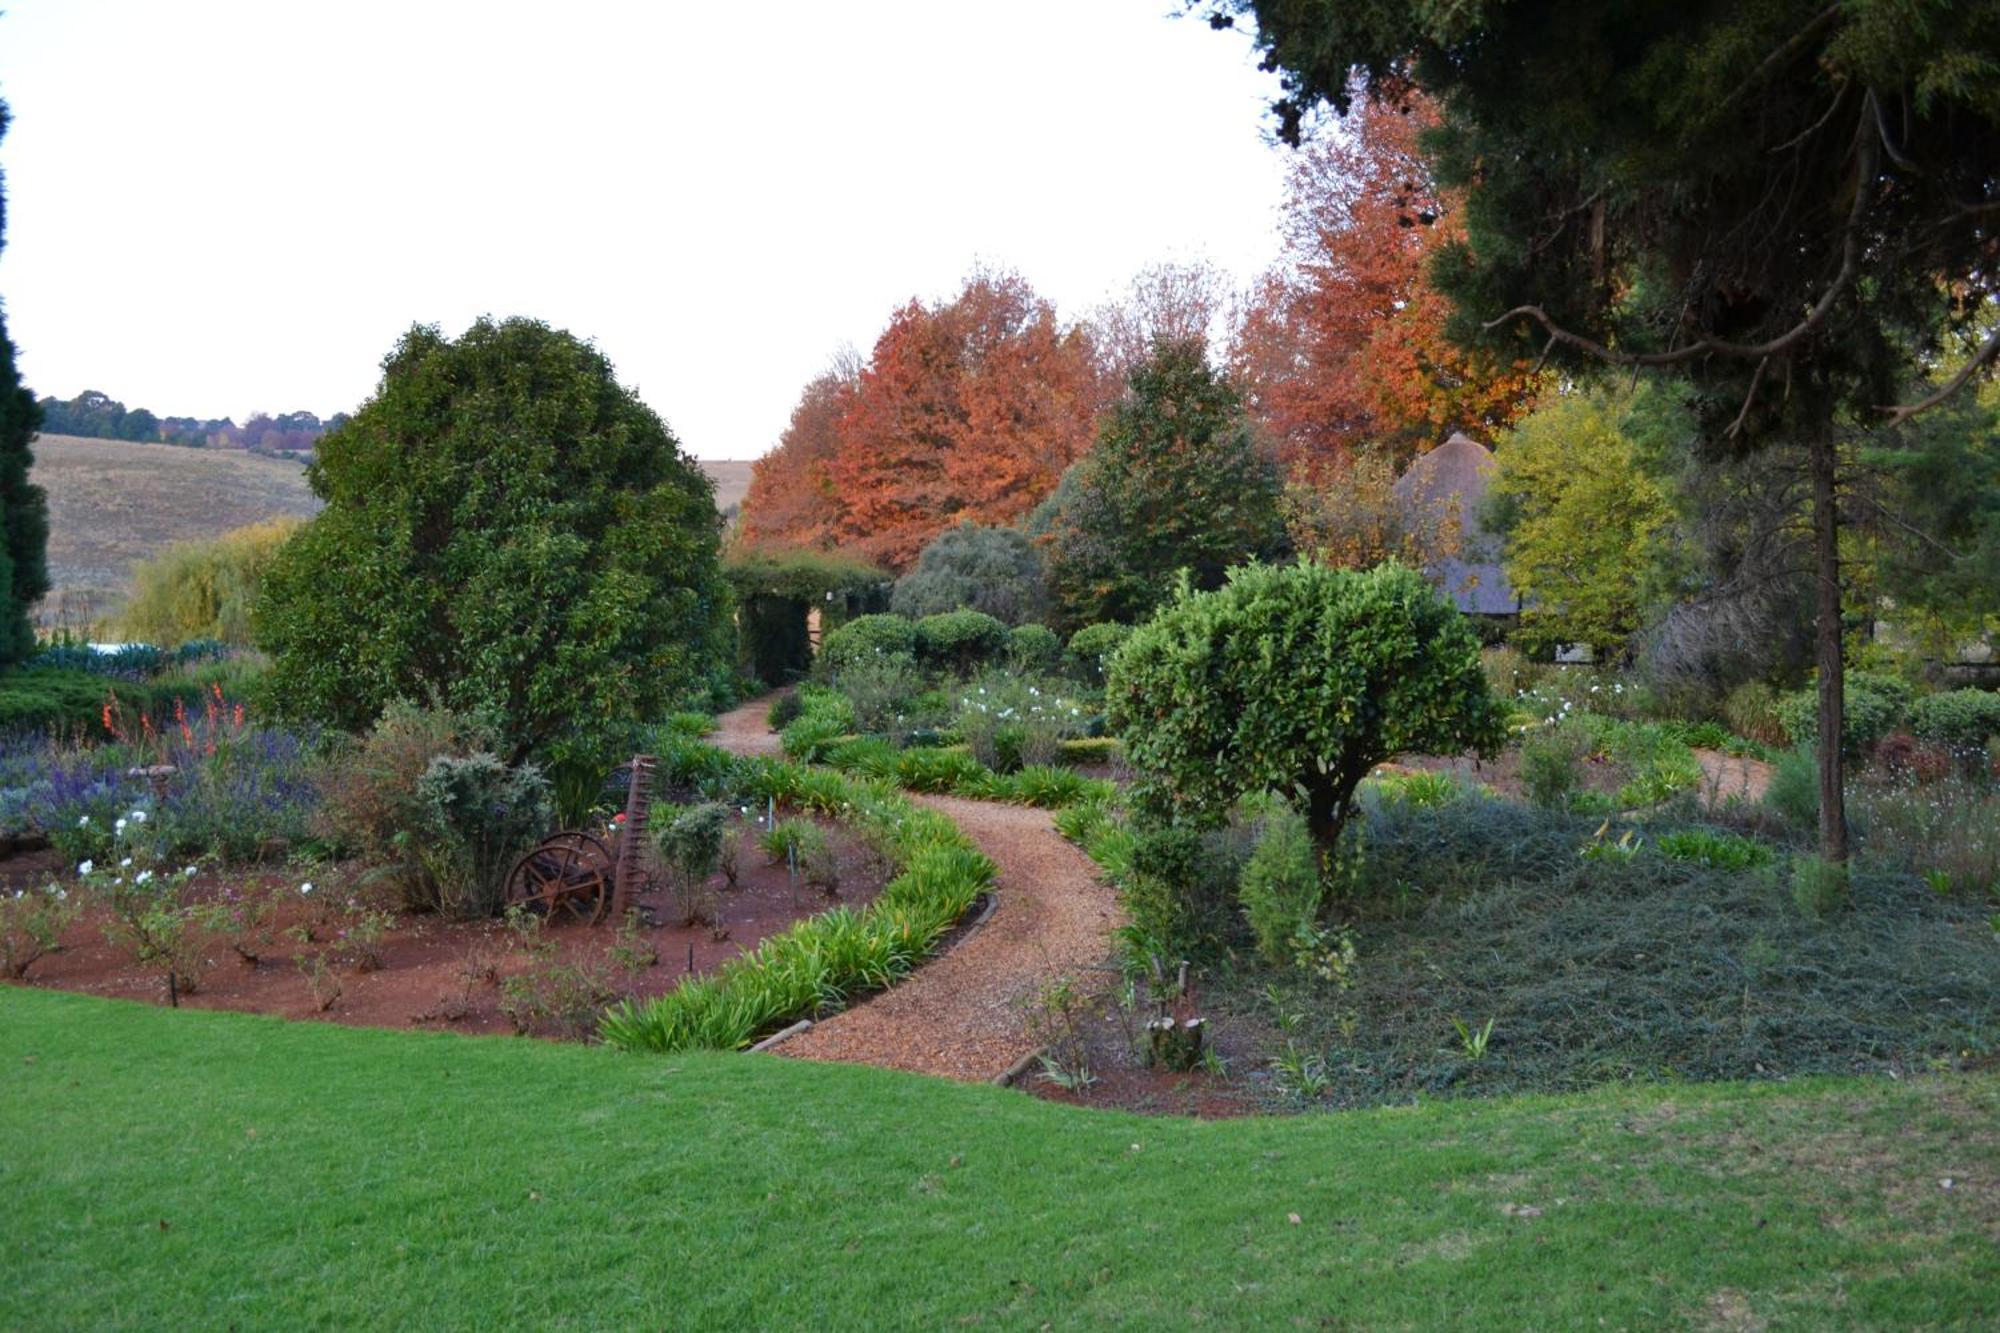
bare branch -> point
(1756, 378)
(1903, 412)
(1850, 254)
(1839, 96)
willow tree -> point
(1790, 202)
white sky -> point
(216, 208)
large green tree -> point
(1176, 480)
(506, 529)
(1789, 201)
(24, 510)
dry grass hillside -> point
(112, 504)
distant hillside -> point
(113, 503)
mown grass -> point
(206, 1170)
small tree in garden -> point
(1297, 680)
(506, 527)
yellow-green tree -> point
(1583, 519)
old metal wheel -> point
(566, 877)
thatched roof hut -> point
(1451, 481)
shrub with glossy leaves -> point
(960, 639)
(506, 527)
(1093, 646)
(1297, 680)
(866, 638)
(1033, 648)
(1875, 705)
(1962, 719)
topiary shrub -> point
(1297, 681)
(994, 570)
(506, 527)
(960, 640)
(482, 815)
(1280, 887)
(864, 638)
(1033, 648)
(1875, 705)
(1093, 646)
(1964, 720)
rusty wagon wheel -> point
(566, 877)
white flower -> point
(138, 816)
(118, 826)
(188, 873)
(62, 895)
(142, 877)
(83, 822)
(306, 887)
(126, 862)
(86, 867)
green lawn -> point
(195, 1170)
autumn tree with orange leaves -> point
(966, 412)
(791, 501)
(1341, 346)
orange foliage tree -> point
(1341, 346)
(966, 412)
(791, 500)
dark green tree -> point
(1176, 480)
(1790, 202)
(506, 530)
(24, 510)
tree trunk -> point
(1326, 814)
(1832, 703)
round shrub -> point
(1033, 648)
(1297, 680)
(960, 639)
(1093, 646)
(1875, 704)
(995, 570)
(865, 637)
(506, 528)
(1962, 719)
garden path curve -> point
(961, 1016)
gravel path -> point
(961, 1016)
(1724, 776)
(744, 730)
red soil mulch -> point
(434, 972)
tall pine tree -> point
(24, 510)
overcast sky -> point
(218, 208)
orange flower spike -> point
(239, 717)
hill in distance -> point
(114, 503)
